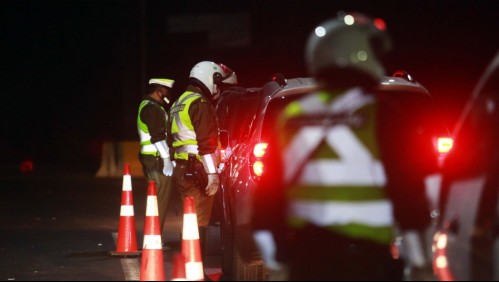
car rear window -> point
(274, 109)
(236, 111)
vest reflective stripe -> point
(190, 149)
(210, 163)
(381, 235)
(371, 213)
(356, 165)
(182, 129)
(147, 148)
(344, 189)
(340, 215)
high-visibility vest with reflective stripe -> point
(333, 173)
(147, 148)
(183, 134)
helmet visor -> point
(229, 76)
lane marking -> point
(131, 266)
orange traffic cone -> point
(127, 238)
(178, 273)
(191, 246)
(152, 265)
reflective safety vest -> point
(183, 134)
(147, 148)
(332, 170)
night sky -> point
(73, 71)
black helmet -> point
(346, 50)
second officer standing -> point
(154, 153)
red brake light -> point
(444, 144)
(259, 150)
(256, 162)
(258, 168)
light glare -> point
(441, 262)
(444, 144)
(259, 150)
(349, 20)
(442, 241)
(258, 168)
(362, 56)
(320, 31)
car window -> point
(274, 109)
(236, 111)
(478, 137)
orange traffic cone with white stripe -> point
(127, 238)
(178, 273)
(191, 246)
(152, 266)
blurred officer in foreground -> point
(193, 136)
(154, 152)
(338, 183)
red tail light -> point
(256, 163)
(444, 144)
(258, 168)
(259, 150)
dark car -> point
(466, 243)
(242, 113)
(249, 117)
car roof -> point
(302, 85)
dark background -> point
(73, 71)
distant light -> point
(380, 24)
(349, 20)
(26, 166)
(320, 31)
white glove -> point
(213, 183)
(168, 167)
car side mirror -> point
(223, 136)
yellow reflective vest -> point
(147, 148)
(332, 169)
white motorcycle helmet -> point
(346, 50)
(211, 76)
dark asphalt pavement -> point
(58, 225)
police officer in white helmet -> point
(193, 136)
